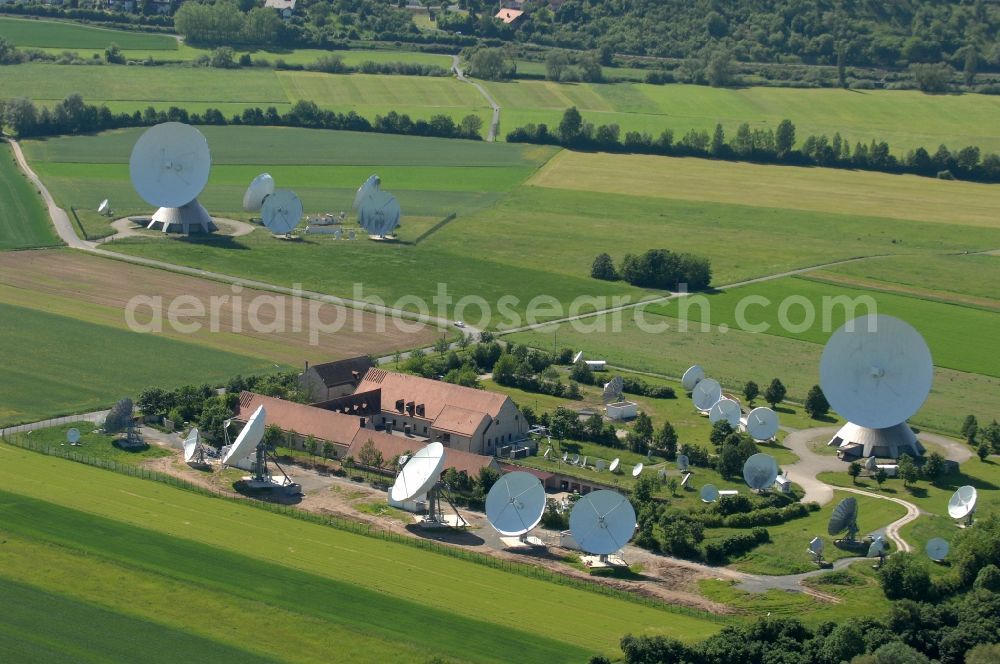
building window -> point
(425, 429)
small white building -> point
(285, 7)
(622, 410)
(891, 469)
(596, 365)
(783, 484)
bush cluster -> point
(735, 545)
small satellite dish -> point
(103, 207)
(578, 357)
(760, 471)
(614, 465)
(338, 234)
(762, 424)
(636, 470)
(169, 164)
(725, 409)
(576, 459)
(420, 473)
(191, 445)
(816, 546)
(351, 235)
(515, 504)
(844, 518)
(602, 522)
(73, 436)
(876, 371)
(565, 456)
(613, 390)
(367, 187)
(706, 393)
(709, 494)
(403, 458)
(583, 464)
(877, 547)
(962, 502)
(281, 212)
(692, 377)
(548, 453)
(662, 474)
(251, 435)
(260, 188)
(682, 462)
(937, 549)
(600, 465)
(379, 213)
(871, 463)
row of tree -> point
(656, 268)
(764, 145)
(22, 118)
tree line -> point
(766, 146)
(22, 118)
(656, 268)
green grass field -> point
(58, 365)
(63, 35)
(93, 443)
(904, 119)
(416, 600)
(23, 220)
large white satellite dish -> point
(709, 493)
(515, 504)
(379, 213)
(281, 212)
(876, 371)
(614, 465)
(170, 164)
(602, 522)
(692, 377)
(762, 424)
(705, 394)
(725, 409)
(260, 188)
(760, 471)
(73, 436)
(367, 187)
(937, 549)
(637, 470)
(251, 435)
(962, 502)
(419, 474)
(191, 445)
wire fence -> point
(355, 527)
(44, 424)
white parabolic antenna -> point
(937, 549)
(816, 546)
(515, 504)
(877, 547)
(962, 502)
(636, 470)
(682, 461)
(876, 371)
(602, 522)
(73, 436)
(169, 164)
(281, 212)
(709, 494)
(191, 445)
(379, 213)
(367, 187)
(251, 435)
(613, 390)
(103, 207)
(692, 377)
(725, 409)
(706, 393)
(762, 424)
(261, 187)
(419, 474)
(760, 471)
(614, 465)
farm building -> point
(510, 16)
(285, 7)
(330, 380)
(459, 417)
(393, 446)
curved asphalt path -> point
(456, 67)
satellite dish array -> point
(706, 394)
(169, 168)
(378, 211)
(876, 372)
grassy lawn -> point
(23, 220)
(905, 119)
(64, 35)
(786, 552)
(337, 567)
(932, 499)
(56, 364)
(93, 443)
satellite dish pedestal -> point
(436, 518)
(186, 219)
(262, 478)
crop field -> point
(23, 220)
(63, 35)
(56, 364)
(904, 119)
(417, 603)
(98, 291)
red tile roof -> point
(303, 420)
(509, 15)
(392, 446)
(434, 395)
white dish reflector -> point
(251, 435)
(420, 473)
(515, 504)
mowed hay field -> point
(23, 220)
(36, 33)
(298, 582)
(904, 119)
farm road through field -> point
(495, 122)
